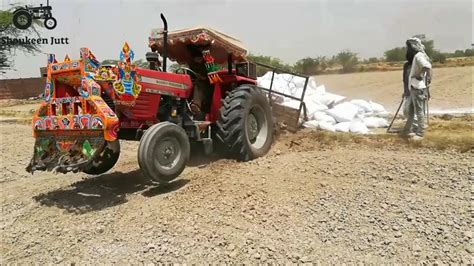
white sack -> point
(312, 85)
(383, 114)
(377, 108)
(320, 90)
(311, 124)
(363, 104)
(292, 104)
(342, 127)
(375, 122)
(358, 127)
(330, 98)
(312, 108)
(343, 112)
(265, 83)
(323, 117)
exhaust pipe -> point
(165, 41)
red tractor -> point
(89, 107)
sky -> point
(287, 29)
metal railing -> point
(270, 90)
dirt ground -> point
(304, 202)
(452, 88)
(315, 198)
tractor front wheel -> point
(245, 127)
(104, 161)
(163, 152)
(50, 23)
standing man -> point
(419, 80)
(406, 88)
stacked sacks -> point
(325, 110)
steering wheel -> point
(188, 71)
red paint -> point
(183, 79)
(216, 103)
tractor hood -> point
(220, 44)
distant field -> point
(452, 87)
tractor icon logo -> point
(23, 16)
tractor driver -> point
(201, 85)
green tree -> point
(458, 53)
(270, 61)
(139, 63)
(8, 49)
(142, 63)
(373, 60)
(109, 62)
(331, 61)
(469, 52)
(311, 66)
(348, 60)
(437, 56)
(396, 54)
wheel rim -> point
(167, 153)
(257, 127)
(22, 20)
(50, 23)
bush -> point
(469, 52)
(396, 54)
(270, 61)
(311, 66)
(437, 56)
(373, 60)
(348, 60)
(458, 53)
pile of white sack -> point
(325, 110)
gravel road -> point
(302, 203)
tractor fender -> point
(21, 9)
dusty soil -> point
(304, 202)
(452, 88)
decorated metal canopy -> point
(220, 44)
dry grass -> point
(458, 133)
(455, 134)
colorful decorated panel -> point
(63, 153)
(71, 78)
(220, 44)
(127, 87)
(65, 66)
(91, 64)
(76, 113)
(73, 123)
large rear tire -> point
(22, 19)
(104, 161)
(246, 127)
(163, 152)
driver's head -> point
(196, 52)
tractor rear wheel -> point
(22, 19)
(104, 161)
(245, 127)
(163, 152)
